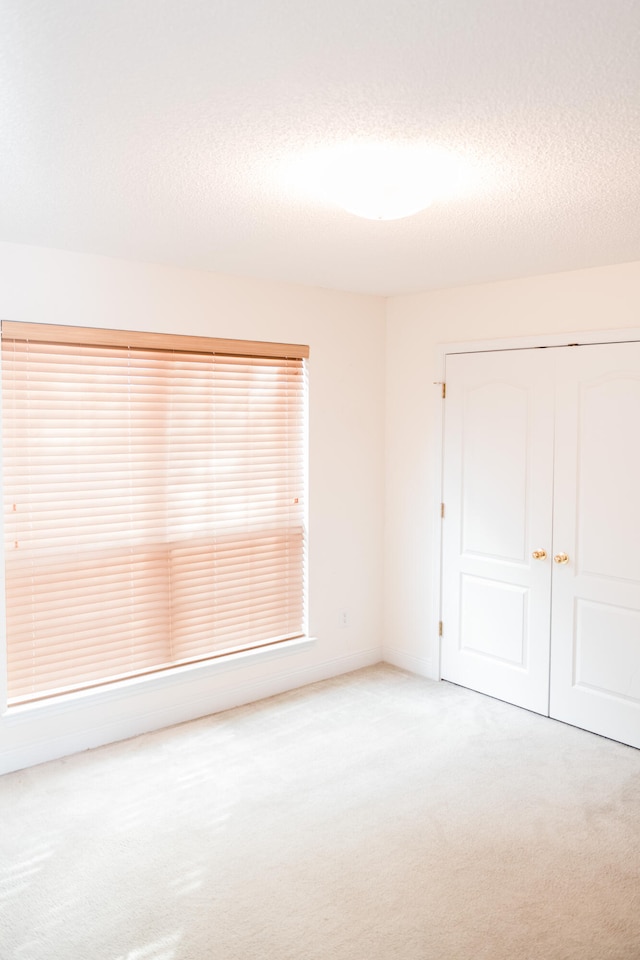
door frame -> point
(443, 350)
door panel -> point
(498, 473)
(595, 645)
(494, 471)
(607, 668)
(479, 600)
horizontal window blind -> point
(153, 501)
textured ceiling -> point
(160, 130)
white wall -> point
(345, 333)
(595, 299)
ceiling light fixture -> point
(379, 181)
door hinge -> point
(442, 510)
(444, 390)
(440, 628)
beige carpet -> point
(371, 817)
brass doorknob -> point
(539, 554)
(561, 558)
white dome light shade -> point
(379, 181)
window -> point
(154, 491)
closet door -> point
(595, 640)
(498, 483)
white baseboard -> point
(422, 667)
(70, 727)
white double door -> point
(541, 535)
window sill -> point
(152, 683)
